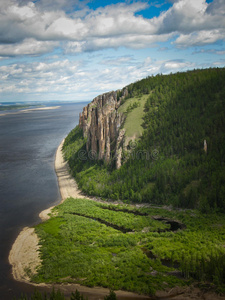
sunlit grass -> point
(134, 119)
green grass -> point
(78, 249)
(134, 117)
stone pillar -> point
(205, 146)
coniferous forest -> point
(168, 164)
(175, 168)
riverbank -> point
(24, 255)
(67, 185)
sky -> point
(74, 50)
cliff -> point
(101, 124)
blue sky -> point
(75, 50)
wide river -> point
(28, 183)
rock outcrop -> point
(101, 124)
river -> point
(28, 183)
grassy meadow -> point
(134, 116)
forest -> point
(167, 164)
(162, 223)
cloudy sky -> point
(77, 49)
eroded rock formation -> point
(101, 124)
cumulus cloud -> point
(194, 22)
(19, 22)
(66, 5)
(200, 38)
(27, 47)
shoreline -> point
(24, 256)
(66, 183)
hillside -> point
(167, 122)
(167, 133)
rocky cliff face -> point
(101, 124)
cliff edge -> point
(102, 126)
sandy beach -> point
(67, 184)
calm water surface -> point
(28, 183)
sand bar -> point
(24, 255)
(29, 110)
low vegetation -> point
(77, 247)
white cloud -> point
(24, 23)
(27, 47)
(39, 27)
(64, 77)
(195, 22)
(175, 65)
(125, 60)
(203, 37)
(184, 16)
(36, 76)
(135, 41)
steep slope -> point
(100, 122)
(168, 163)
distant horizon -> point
(85, 100)
(43, 101)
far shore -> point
(29, 110)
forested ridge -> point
(177, 160)
(168, 163)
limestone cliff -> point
(101, 124)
